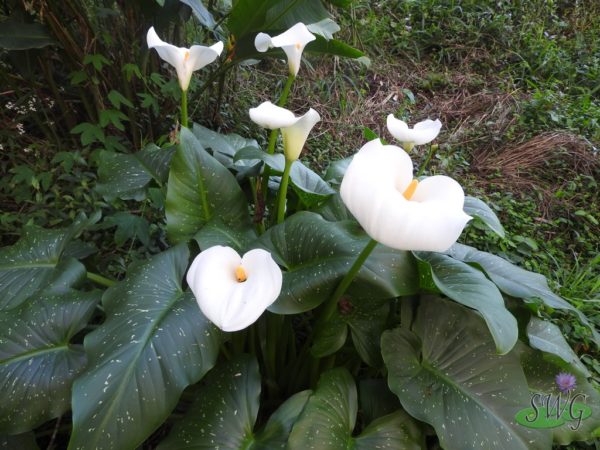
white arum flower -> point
(233, 291)
(292, 42)
(185, 60)
(422, 133)
(294, 129)
(397, 210)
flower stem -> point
(184, 110)
(331, 304)
(282, 195)
(432, 149)
(99, 279)
(273, 136)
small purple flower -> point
(566, 382)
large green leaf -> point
(468, 286)
(328, 419)
(317, 253)
(34, 263)
(248, 16)
(154, 343)
(541, 372)
(517, 282)
(126, 175)
(200, 188)
(16, 35)
(217, 233)
(547, 337)
(446, 373)
(37, 361)
(225, 409)
(329, 416)
(477, 208)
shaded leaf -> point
(224, 411)
(329, 416)
(15, 35)
(446, 373)
(309, 186)
(35, 262)
(154, 343)
(37, 362)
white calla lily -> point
(234, 291)
(397, 210)
(292, 42)
(185, 60)
(294, 129)
(422, 133)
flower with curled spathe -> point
(422, 133)
(185, 60)
(234, 291)
(292, 42)
(294, 130)
(397, 210)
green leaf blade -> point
(154, 343)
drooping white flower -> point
(292, 42)
(422, 133)
(234, 291)
(397, 210)
(294, 129)
(185, 60)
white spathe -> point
(374, 189)
(231, 304)
(295, 130)
(292, 42)
(422, 133)
(185, 60)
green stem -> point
(273, 136)
(432, 149)
(281, 197)
(331, 304)
(184, 111)
(286, 90)
(99, 279)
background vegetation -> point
(515, 83)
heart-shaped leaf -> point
(446, 373)
(154, 343)
(317, 253)
(199, 189)
(517, 282)
(34, 263)
(37, 361)
(470, 287)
